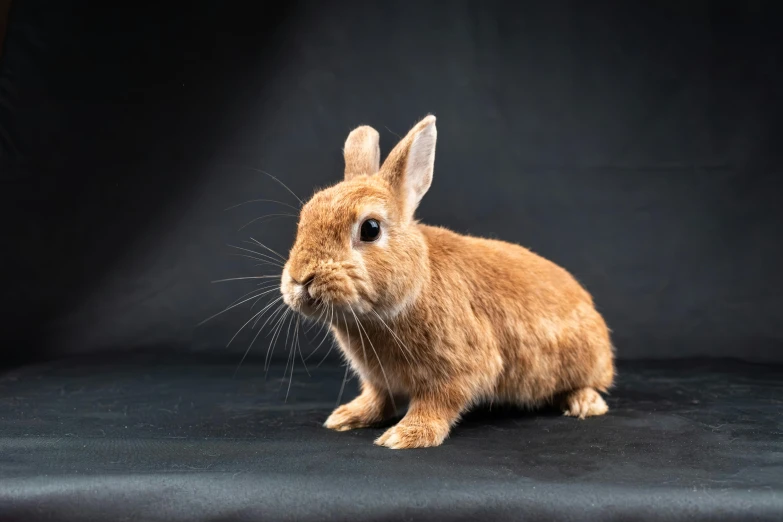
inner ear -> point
(361, 152)
(410, 165)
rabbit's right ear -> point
(409, 166)
(362, 152)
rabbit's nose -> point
(304, 281)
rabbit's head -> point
(358, 249)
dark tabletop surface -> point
(141, 437)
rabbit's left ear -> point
(410, 165)
(361, 152)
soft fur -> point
(442, 320)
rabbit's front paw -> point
(407, 435)
(351, 416)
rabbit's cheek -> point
(335, 288)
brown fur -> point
(443, 320)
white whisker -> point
(249, 320)
(243, 278)
(294, 343)
(262, 261)
(267, 174)
(267, 307)
(342, 386)
(361, 339)
(226, 310)
(258, 299)
(291, 358)
(288, 358)
(299, 347)
(380, 364)
(251, 292)
(273, 313)
(262, 256)
(278, 335)
(273, 287)
(331, 347)
(280, 308)
(259, 243)
(318, 321)
(275, 332)
(396, 339)
(322, 324)
(261, 200)
(248, 348)
(271, 216)
(327, 330)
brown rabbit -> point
(443, 320)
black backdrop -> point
(638, 145)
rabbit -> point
(423, 314)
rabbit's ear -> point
(362, 152)
(409, 167)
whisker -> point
(275, 333)
(280, 308)
(291, 358)
(263, 256)
(248, 349)
(325, 334)
(243, 278)
(380, 364)
(226, 310)
(299, 347)
(361, 339)
(272, 216)
(273, 314)
(288, 329)
(252, 291)
(318, 321)
(301, 356)
(396, 339)
(342, 386)
(262, 262)
(261, 200)
(267, 174)
(278, 323)
(254, 305)
(242, 327)
(259, 243)
(248, 321)
(267, 307)
(331, 347)
(236, 371)
(288, 358)
(312, 352)
(388, 129)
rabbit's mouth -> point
(310, 306)
(324, 291)
(300, 300)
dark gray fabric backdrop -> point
(638, 145)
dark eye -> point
(370, 230)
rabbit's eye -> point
(370, 230)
